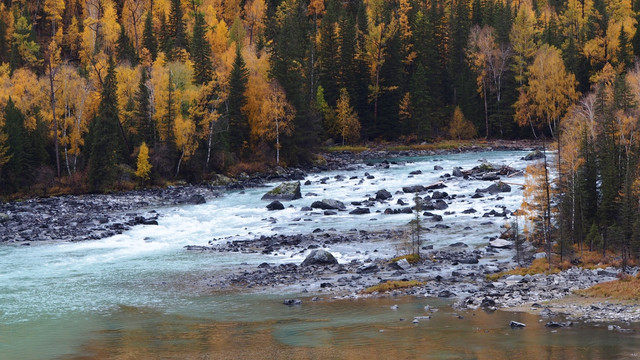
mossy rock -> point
(286, 191)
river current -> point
(129, 296)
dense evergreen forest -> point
(98, 94)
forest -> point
(102, 95)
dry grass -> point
(538, 266)
(247, 168)
(392, 285)
(352, 148)
(627, 288)
(411, 258)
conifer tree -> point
(200, 52)
(149, 39)
(125, 49)
(143, 117)
(104, 155)
(16, 168)
(177, 27)
(238, 123)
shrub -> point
(392, 285)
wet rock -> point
(534, 155)
(457, 172)
(264, 265)
(383, 195)
(470, 211)
(446, 294)
(413, 189)
(553, 324)
(196, 248)
(416, 172)
(515, 324)
(368, 268)
(437, 167)
(495, 188)
(319, 257)
(329, 213)
(328, 204)
(292, 302)
(360, 211)
(195, 199)
(275, 205)
(440, 205)
(286, 191)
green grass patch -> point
(411, 258)
(351, 148)
(392, 285)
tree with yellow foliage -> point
(347, 123)
(143, 167)
(277, 116)
(460, 128)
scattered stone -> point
(360, 211)
(383, 195)
(500, 244)
(328, 204)
(553, 324)
(275, 205)
(515, 324)
(292, 302)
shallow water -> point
(130, 296)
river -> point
(130, 296)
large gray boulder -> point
(534, 155)
(328, 204)
(495, 188)
(320, 257)
(286, 191)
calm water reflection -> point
(348, 330)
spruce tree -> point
(149, 40)
(177, 28)
(16, 169)
(238, 123)
(125, 49)
(143, 120)
(103, 158)
(200, 52)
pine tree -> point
(103, 158)
(149, 38)
(16, 169)
(125, 49)
(625, 50)
(143, 118)
(200, 52)
(166, 39)
(177, 28)
(238, 123)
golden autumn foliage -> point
(143, 167)
(460, 128)
(347, 125)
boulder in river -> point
(515, 324)
(534, 155)
(360, 211)
(286, 191)
(383, 195)
(319, 257)
(195, 199)
(291, 302)
(328, 204)
(413, 189)
(457, 172)
(495, 188)
(275, 205)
